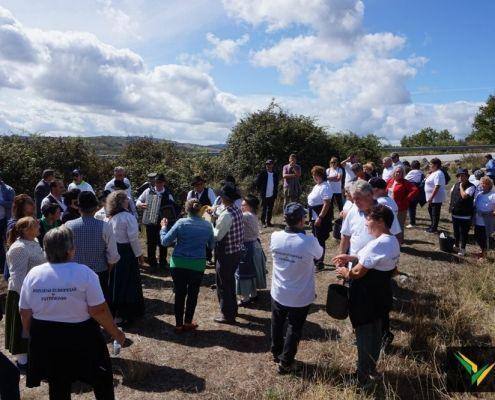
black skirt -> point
(14, 342)
(125, 285)
(66, 351)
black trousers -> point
(227, 264)
(338, 200)
(3, 229)
(152, 241)
(284, 344)
(104, 278)
(481, 239)
(267, 209)
(102, 388)
(413, 205)
(461, 231)
(434, 211)
(186, 284)
(9, 380)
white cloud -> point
(119, 21)
(226, 49)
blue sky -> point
(188, 71)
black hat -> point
(152, 175)
(120, 185)
(76, 172)
(230, 192)
(197, 179)
(294, 211)
(462, 171)
(160, 178)
(87, 200)
(377, 183)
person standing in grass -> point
(334, 178)
(192, 237)
(293, 285)
(435, 193)
(415, 176)
(292, 175)
(484, 215)
(370, 291)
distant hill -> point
(112, 145)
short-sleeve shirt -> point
(387, 173)
(336, 186)
(436, 178)
(381, 253)
(349, 175)
(414, 176)
(318, 195)
(484, 203)
(61, 292)
(470, 191)
(354, 226)
(293, 276)
(287, 170)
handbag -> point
(337, 305)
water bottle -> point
(116, 348)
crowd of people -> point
(73, 260)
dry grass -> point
(439, 301)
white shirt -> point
(484, 203)
(354, 226)
(21, 257)
(349, 175)
(126, 230)
(293, 276)
(336, 186)
(60, 202)
(381, 253)
(398, 164)
(61, 292)
(211, 195)
(318, 195)
(110, 183)
(144, 196)
(414, 176)
(347, 206)
(101, 214)
(83, 187)
(269, 184)
(387, 173)
(390, 203)
(436, 178)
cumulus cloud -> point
(226, 49)
(119, 21)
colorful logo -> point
(477, 375)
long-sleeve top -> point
(251, 227)
(403, 192)
(209, 191)
(126, 230)
(223, 225)
(191, 236)
(41, 190)
(7, 195)
(21, 257)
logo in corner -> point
(477, 375)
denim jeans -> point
(369, 342)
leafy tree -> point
(429, 137)
(484, 124)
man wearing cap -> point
(7, 195)
(146, 185)
(292, 174)
(229, 238)
(119, 174)
(78, 182)
(267, 185)
(205, 195)
(94, 241)
(462, 209)
(293, 285)
(42, 189)
(153, 229)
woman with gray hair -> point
(191, 235)
(404, 193)
(62, 307)
(125, 278)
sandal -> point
(190, 326)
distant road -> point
(442, 157)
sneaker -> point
(462, 252)
(410, 226)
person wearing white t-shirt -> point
(62, 307)
(461, 208)
(79, 182)
(354, 235)
(319, 202)
(388, 169)
(435, 193)
(370, 292)
(347, 164)
(293, 285)
(380, 194)
(334, 178)
(484, 215)
(396, 162)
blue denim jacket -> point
(192, 235)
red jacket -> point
(403, 192)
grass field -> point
(439, 300)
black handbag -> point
(337, 301)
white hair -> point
(361, 187)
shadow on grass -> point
(434, 255)
(147, 377)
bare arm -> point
(434, 193)
(101, 314)
(26, 316)
(345, 242)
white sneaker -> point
(462, 252)
(409, 226)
